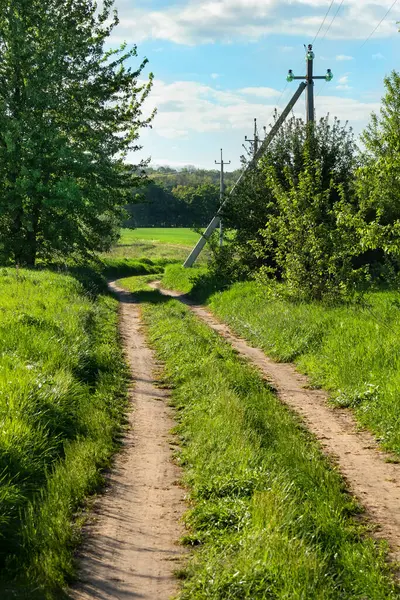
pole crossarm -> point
(261, 150)
(309, 78)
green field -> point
(158, 244)
(179, 236)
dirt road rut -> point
(131, 550)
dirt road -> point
(373, 480)
(131, 549)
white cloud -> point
(214, 75)
(377, 56)
(187, 107)
(346, 109)
(343, 83)
(343, 80)
(344, 57)
(260, 92)
(193, 22)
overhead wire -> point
(324, 19)
(379, 24)
(332, 21)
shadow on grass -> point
(140, 297)
(206, 285)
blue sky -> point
(220, 63)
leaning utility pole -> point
(310, 77)
(258, 153)
(221, 196)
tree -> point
(260, 206)
(202, 201)
(70, 111)
(378, 181)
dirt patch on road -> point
(132, 547)
(373, 480)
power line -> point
(379, 24)
(331, 23)
(323, 22)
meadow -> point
(269, 516)
(162, 245)
(179, 236)
(63, 386)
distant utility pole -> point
(254, 142)
(310, 77)
(221, 196)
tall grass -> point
(269, 516)
(62, 402)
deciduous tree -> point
(70, 112)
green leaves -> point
(70, 112)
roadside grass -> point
(112, 267)
(183, 280)
(170, 235)
(352, 350)
(63, 383)
(269, 515)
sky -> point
(218, 64)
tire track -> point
(132, 548)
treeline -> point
(177, 198)
(319, 213)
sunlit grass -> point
(62, 399)
(170, 235)
(351, 350)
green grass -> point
(62, 401)
(112, 267)
(268, 515)
(183, 280)
(169, 235)
(353, 351)
(162, 246)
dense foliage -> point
(316, 212)
(70, 111)
(185, 198)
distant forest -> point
(177, 198)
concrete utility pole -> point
(310, 78)
(221, 196)
(254, 142)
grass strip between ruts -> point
(269, 515)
